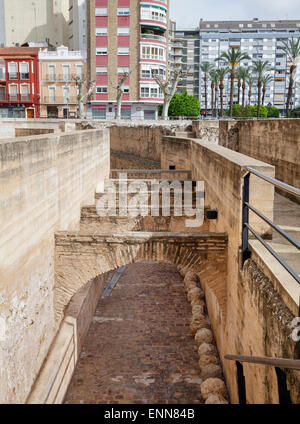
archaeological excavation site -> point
(150, 262)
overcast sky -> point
(189, 12)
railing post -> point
(246, 254)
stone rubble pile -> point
(213, 388)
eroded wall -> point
(257, 311)
(44, 181)
(275, 141)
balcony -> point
(59, 100)
(57, 78)
(13, 97)
(25, 97)
(2, 96)
(2, 76)
(153, 37)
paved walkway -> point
(287, 216)
(139, 348)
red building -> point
(19, 82)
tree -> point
(82, 82)
(292, 49)
(168, 92)
(266, 80)
(233, 58)
(222, 72)
(213, 84)
(250, 82)
(239, 78)
(120, 92)
(184, 105)
(205, 68)
(273, 112)
(259, 68)
(243, 74)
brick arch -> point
(79, 258)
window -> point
(66, 73)
(2, 73)
(126, 89)
(101, 89)
(51, 94)
(101, 11)
(101, 51)
(66, 94)
(123, 11)
(24, 91)
(101, 31)
(13, 70)
(2, 93)
(123, 50)
(101, 70)
(123, 69)
(123, 31)
(24, 71)
(79, 71)
(51, 70)
(153, 53)
(145, 92)
(13, 92)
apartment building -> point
(58, 91)
(23, 21)
(77, 25)
(127, 36)
(261, 40)
(19, 82)
(184, 54)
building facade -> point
(33, 21)
(19, 82)
(57, 85)
(127, 36)
(77, 25)
(184, 54)
(261, 40)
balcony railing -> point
(57, 78)
(2, 76)
(12, 76)
(13, 97)
(2, 97)
(25, 97)
(59, 100)
(153, 37)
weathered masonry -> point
(56, 252)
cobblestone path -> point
(139, 348)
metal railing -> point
(246, 254)
(153, 37)
(57, 99)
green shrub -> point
(184, 105)
(273, 112)
(295, 113)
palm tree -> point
(250, 81)
(205, 68)
(259, 68)
(266, 80)
(222, 72)
(239, 78)
(212, 87)
(243, 74)
(216, 79)
(292, 50)
(233, 57)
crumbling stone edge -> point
(213, 388)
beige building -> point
(58, 89)
(33, 21)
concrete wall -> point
(44, 181)
(275, 141)
(259, 306)
(12, 127)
